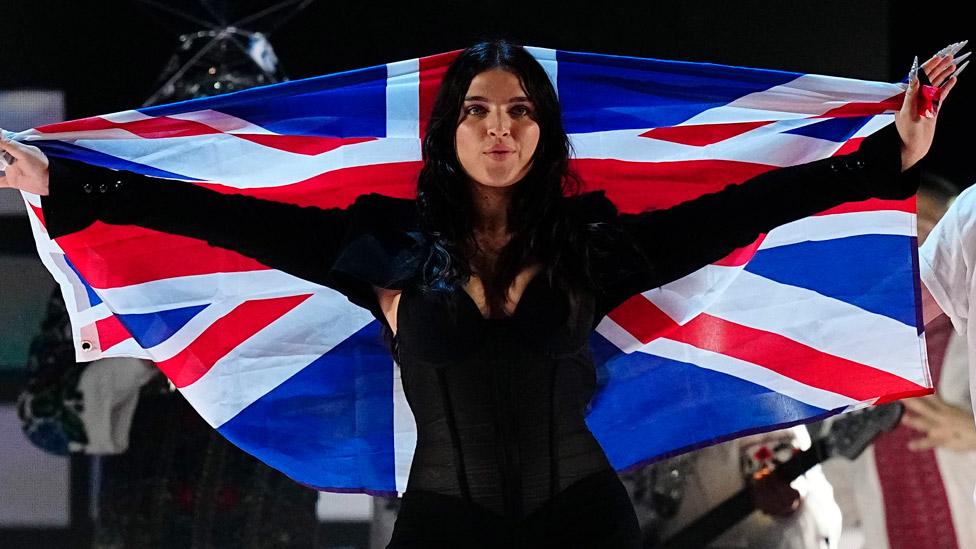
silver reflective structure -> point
(222, 56)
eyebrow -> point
(519, 99)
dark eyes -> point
(516, 111)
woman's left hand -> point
(916, 125)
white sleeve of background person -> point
(946, 260)
(946, 269)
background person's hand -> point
(942, 424)
(917, 128)
(29, 170)
(773, 496)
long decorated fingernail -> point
(954, 74)
(960, 69)
(958, 46)
(913, 73)
(961, 58)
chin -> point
(497, 180)
(497, 183)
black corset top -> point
(499, 403)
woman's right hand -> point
(917, 128)
(29, 171)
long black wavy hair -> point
(537, 218)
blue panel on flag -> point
(602, 92)
(873, 272)
(331, 424)
(346, 104)
(61, 149)
(651, 406)
(151, 329)
(837, 130)
(93, 298)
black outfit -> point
(503, 458)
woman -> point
(490, 283)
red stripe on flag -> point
(163, 126)
(151, 128)
(39, 213)
(638, 186)
(742, 255)
(108, 256)
(703, 134)
(792, 359)
(91, 123)
(111, 332)
(642, 319)
(873, 205)
(432, 70)
(646, 322)
(340, 188)
(224, 335)
(302, 144)
(866, 109)
(849, 146)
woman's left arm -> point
(679, 240)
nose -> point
(499, 125)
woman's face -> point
(497, 133)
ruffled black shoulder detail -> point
(383, 248)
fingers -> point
(947, 87)
(917, 423)
(962, 67)
(936, 69)
(922, 444)
(923, 406)
(12, 147)
(908, 103)
(940, 72)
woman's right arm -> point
(302, 241)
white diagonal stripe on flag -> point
(683, 352)
(194, 290)
(258, 365)
(798, 314)
(806, 95)
(222, 122)
(243, 164)
(842, 225)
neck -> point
(491, 209)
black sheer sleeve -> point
(303, 241)
(657, 247)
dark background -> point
(108, 55)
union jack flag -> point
(818, 317)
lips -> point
(499, 153)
